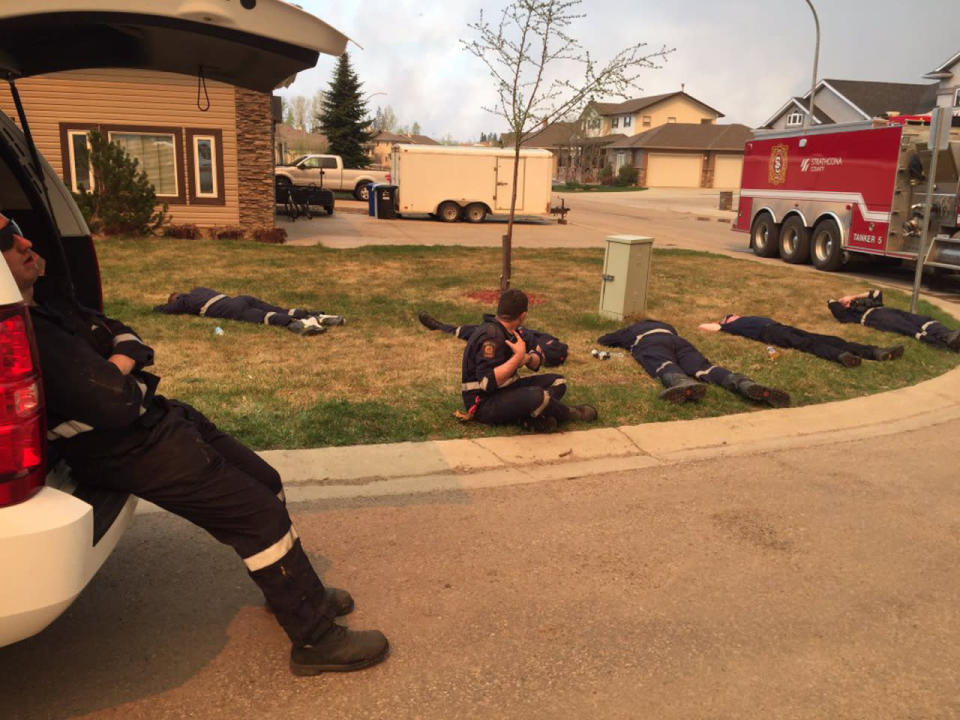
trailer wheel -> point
(825, 250)
(448, 211)
(764, 236)
(474, 212)
(362, 191)
(794, 241)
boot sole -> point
(771, 396)
(850, 361)
(892, 354)
(680, 395)
(304, 670)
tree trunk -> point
(508, 238)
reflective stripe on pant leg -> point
(266, 318)
(923, 329)
(272, 554)
(699, 375)
(662, 365)
(542, 406)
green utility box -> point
(626, 276)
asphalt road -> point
(807, 583)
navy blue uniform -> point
(869, 311)
(116, 432)
(518, 398)
(246, 308)
(553, 350)
(769, 331)
(660, 351)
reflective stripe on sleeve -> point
(208, 303)
(68, 429)
(863, 318)
(126, 337)
(272, 554)
(266, 318)
(468, 386)
(923, 329)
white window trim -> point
(794, 119)
(173, 141)
(214, 166)
(627, 121)
(73, 160)
(615, 122)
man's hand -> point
(124, 363)
(709, 327)
(518, 346)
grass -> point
(384, 378)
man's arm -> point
(511, 366)
(128, 343)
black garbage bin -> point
(386, 201)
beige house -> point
(641, 114)
(948, 83)
(382, 144)
(686, 155)
(207, 149)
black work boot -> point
(848, 359)
(339, 650)
(431, 323)
(583, 413)
(760, 393)
(542, 424)
(890, 353)
(953, 340)
(681, 388)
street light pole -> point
(808, 120)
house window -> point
(157, 155)
(794, 119)
(615, 122)
(627, 120)
(646, 121)
(78, 154)
(205, 166)
(671, 119)
(594, 123)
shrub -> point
(122, 200)
(606, 175)
(228, 233)
(627, 175)
(275, 235)
(183, 232)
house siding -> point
(139, 99)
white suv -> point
(54, 535)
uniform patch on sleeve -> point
(489, 349)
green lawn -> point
(384, 378)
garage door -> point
(673, 169)
(726, 173)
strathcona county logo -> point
(778, 165)
(818, 163)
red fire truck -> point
(826, 193)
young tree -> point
(316, 107)
(122, 200)
(531, 39)
(298, 103)
(415, 128)
(343, 119)
(385, 120)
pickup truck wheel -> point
(448, 211)
(794, 241)
(825, 250)
(328, 209)
(474, 213)
(765, 236)
(362, 191)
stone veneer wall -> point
(255, 159)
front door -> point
(505, 183)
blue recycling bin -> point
(372, 199)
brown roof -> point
(409, 139)
(876, 98)
(558, 134)
(632, 106)
(689, 136)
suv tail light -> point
(388, 177)
(22, 423)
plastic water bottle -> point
(772, 353)
(600, 354)
(218, 331)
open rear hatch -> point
(256, 44)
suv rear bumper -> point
(47, 556)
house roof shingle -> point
(876, 98)
(689, 136)
(632, 106)
(390, 137)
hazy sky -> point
(744, 58)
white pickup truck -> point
(327, 171)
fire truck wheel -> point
(764, 236)
(794, 241)
(825, 250)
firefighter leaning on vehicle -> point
(115, 432)
(492, 390)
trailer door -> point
(505, 183)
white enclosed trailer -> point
(467, 183)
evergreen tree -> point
(343, 117)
